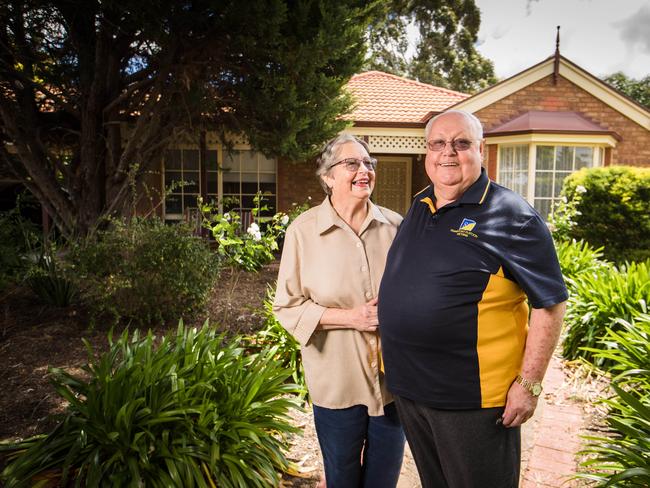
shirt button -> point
(364, 268)
(373, 364)
(372, 342)
(368, 294)
(358, 244)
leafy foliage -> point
(18, 238)
(599, 200)
(577, 258)
(638, 90)
(144, 270)
(600, 298)
(249, 250)
(272, 334)
(50, 283)
(92, 92)
(193, 411)
(623, 458)
(445, 54)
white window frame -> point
(598, 142)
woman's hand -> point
(364, 318)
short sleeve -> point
(531, 261)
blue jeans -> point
(345, 433)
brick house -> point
(540, 125)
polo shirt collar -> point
(328, 218)
(475, 194)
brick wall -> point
(633, 149)
(296, 182)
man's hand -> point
(364, 318)
(520, 406)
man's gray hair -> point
(329, 156)
(473, 119)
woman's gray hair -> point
(329, 156)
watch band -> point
(533, 387)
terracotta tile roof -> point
(384, 98)
(543, 121)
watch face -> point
(536, 389)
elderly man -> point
(460, 358)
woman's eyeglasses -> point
(353, 164)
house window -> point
(182, 182)
(553, 164)
(244, 174)
(513, 168)
(537, 172)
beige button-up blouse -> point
(326, 264)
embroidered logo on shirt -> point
(465, 228)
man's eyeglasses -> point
(438, 145)
(353, 164)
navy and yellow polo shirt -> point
(452, 303)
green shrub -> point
(597, 300)
(18, 237)
(623, 457)
(144, 270)
(577, 258)
(609, 208)
(272, 334)
(193, 411)
(50, 283)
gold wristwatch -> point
(534, 387)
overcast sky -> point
(601, 36)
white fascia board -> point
(385, 131)
(555, 139)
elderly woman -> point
(332, 262)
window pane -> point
(267, 187)
(267, 177)
(247, 201)
(544, 157)
(250, 188)
(249, 177)
(266, 164)
(231, 187)
(191, 159)
(231, 161)
(189, 200)
(543, 207)
(191, 184)
(230, 176)
(559, 179)
(584, 157)
(543, 184)
(173, 204)
(564, 158)
(513, 168)
(248, 161)
(521, 161)
(172, 159)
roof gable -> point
(383, 99)
(544, 121)
(569, 71)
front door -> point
(393, 183)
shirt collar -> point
(327, 217)
(475, 194)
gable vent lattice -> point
(397, 144)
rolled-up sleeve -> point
(296, 312)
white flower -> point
(227, 216)
(581, 189)
(284, 220)
(564, 199)
(254, 230)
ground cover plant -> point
(622, 458)
(597, 301)
(192, 411)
